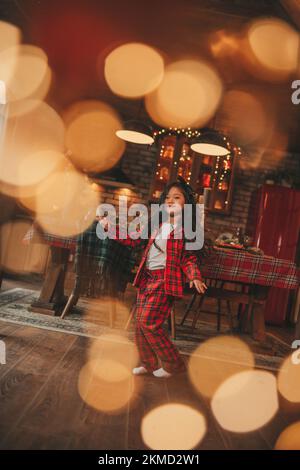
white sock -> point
(161, 373)
(139, 370)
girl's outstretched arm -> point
(114, 234)
(190, 267)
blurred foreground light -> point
(106, 385)
(207, 373)
(188, 95)
(2, 92)
(114, 347)
(133, 70)
(25, 70)
(244, 115)
(14, 255)
(289, 439)
(246, 401)
(25, 139)
(91, 135)
(10, 35)
(65, 203)
(173, 426)
(289, 379)
(274, 45)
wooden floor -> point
(40, 406)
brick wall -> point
(251, 173)
(139, 165)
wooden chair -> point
(217, 291)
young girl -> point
(160, 279)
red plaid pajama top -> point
(180, 263)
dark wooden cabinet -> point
(208, 175)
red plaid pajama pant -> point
(153, 307)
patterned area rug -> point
(90, 319)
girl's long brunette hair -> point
(189, 198)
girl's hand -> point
(104, 222)
(200, 285)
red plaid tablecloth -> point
(240, 266)
(36, 235)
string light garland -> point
(190, 134)
(223, 164)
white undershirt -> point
(156, 259)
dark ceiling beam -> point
(292, 7)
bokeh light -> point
(106, 381)
(115, 347)
(24, 70)
(173, 426)
(289, 439)
(243, 114)
(91, 136)
(188, 95)
(10, 35)
(207, 373)
(133, 70)
(65, 203)
(273, 46)
(289, 379)
(106, 385)
(246, 401)
(28, 134)
(15, 256)
(3, 98)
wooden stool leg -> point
(130, 317)
(219, 314)
(244, 319)
(190, 305)
(69, 305)
(229, 313)
(197, 314)
(112, 313)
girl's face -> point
(174, 201)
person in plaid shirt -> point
(160, 278)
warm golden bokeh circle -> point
(14, 254)
(173, 426)
(106, 385)
(244, 115)
(10, 35)
(209, 361)
(289, 378)
(133, 70)
(246, 401)
(114, 347)
(24, 69)
(91, 136)
(188, 95)
(38, 130)
(273, 49)
(289, 439)
(65, 203)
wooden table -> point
(102, 268)
(52, 298)
(258, 272)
